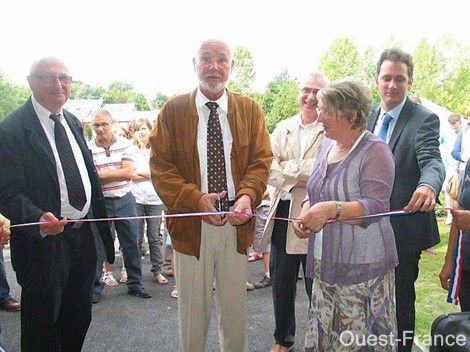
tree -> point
(119, 92)
(11, 96)
(429, 66)
(82, 90)
(280, 99)
(368, 71)
(341, 60)
(243, 73)
(456, 89)
(455, 92)
(140, 101)
(442, 73)
(158, 101)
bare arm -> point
(123, 174)
(448, 266)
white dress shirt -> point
(47, 124)
(394, 113)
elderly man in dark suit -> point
(48, 174)
(412, 133)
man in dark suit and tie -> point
(48, 174)
(412, 133)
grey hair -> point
(317, 76)
(346, 97)
(212, 42)
(36, 66)
(104, 113)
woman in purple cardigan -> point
(352, 261)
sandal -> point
(160, 279)
(253, 257)
(174, 292)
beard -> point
(212, 88)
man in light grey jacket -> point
(295, 142)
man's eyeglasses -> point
(51, 79)
(98, 125)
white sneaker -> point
(109, 279)
(123, 275)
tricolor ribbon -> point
(456, 280)
(207, 213)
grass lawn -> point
(430, 297)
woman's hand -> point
(446, 274)
(299, 229)
(316, 217)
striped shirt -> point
(111, 159)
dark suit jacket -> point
(29, 188)
(415, 145)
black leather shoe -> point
(96, 297)
(265, 282)
(10, 305)
(141, 294)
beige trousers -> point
(219, 261)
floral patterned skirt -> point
(358, 317)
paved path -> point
(126, 323)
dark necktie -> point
(73, 180)
(216, 176)
(387, 118)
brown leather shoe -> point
(10, 305)
(280, 348)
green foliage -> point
(368, 71)
(243, 73)
(341, 60)
(11, 96)
(442, 74)
(280, 99)
(123, 86)
(82, 90)
(158, 101)
(428, 68)
(456, 89)
(140, 101)
(118, 92)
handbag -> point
(453, 184)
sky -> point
(151, 43)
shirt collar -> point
(42, 112)
(201, 101)
(395, 112)
(308, 125)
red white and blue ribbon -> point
(456, 280)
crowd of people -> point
(330, 167)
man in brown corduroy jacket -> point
(191, 128)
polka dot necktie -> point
(73, 179)
(216, 175)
